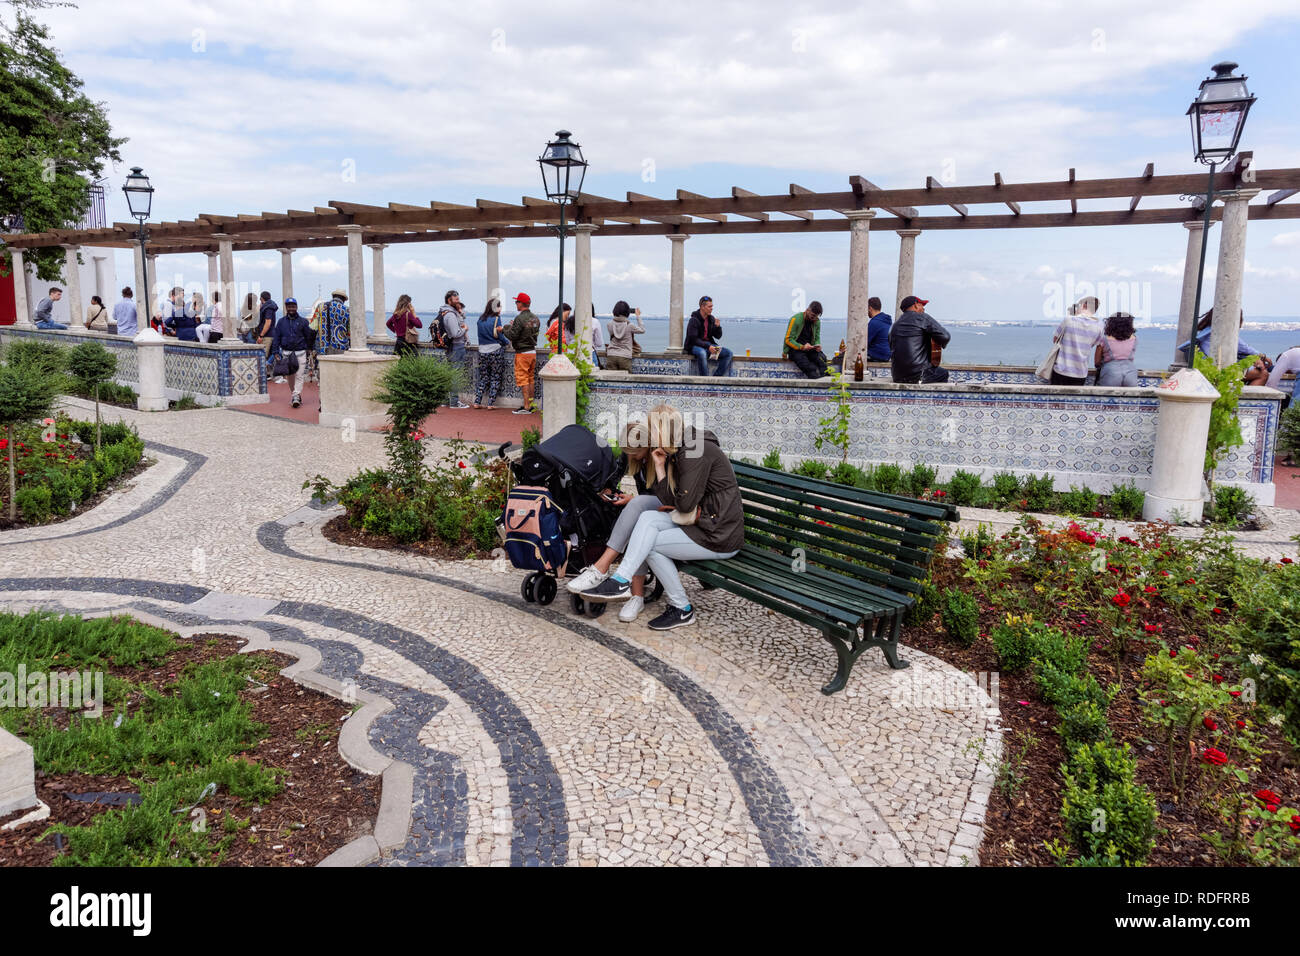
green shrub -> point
(964, 488)
(377, 515)
(449, 520)
(919, 480)
(1006, 487)
(34, 503)
(530, 437)
(1232, 505)
(865, 479)
(1038, 492)
(1083, 722)
(1014, 644)
(1126, 501)
(1063, 689)
(1078, 501)
(1108, 818)
(961, 616)
(978, 543)
(927, 602)
(811, 468)
(405, 522)
(1266, 626)
(45, 357)
(1066, 652)
(483, 530)
(772, 460)
(888, 478)
(845, 474)
(1288, 433)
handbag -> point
(286, 364)
(412, 334)
(1044, 370)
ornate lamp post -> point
(139, 199)
(1218, 115)
(563, 170)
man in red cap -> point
(522, 334)
(910, 339)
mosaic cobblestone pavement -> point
(535, 737)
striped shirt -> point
(1079, 336)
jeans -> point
(811, 363)
(491, 372)
(626, 523)
(657, 541)
(456, 356)
(50, 324)
(702, 361)
(302, 370)
(1118, 373)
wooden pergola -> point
(740, 213)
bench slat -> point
(851, 587)
(864, 540)
(775, 499)
(928, 511)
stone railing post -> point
(560, 407)
(676, 292)
(1178, 467)
(22, 307)
(1224, 331)
(1187, 300)
(855, 332)
(153, 374)
(72, 275)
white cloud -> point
(410, 269)
(1286, 273)
(314, 265)
(1287, 239)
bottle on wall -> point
(857, 369)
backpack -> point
(438, 332)
(533, 539)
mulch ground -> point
(83, 507)
(1022, 820)
(325, 803)
(338, 530)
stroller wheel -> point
(577, 603)
(527, 588)
(596, 608)
(654, 587)
(545, 589)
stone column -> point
(855, 338)
(22, 305)
(1228, 283)
(229, 295)
(377, 268)
(1187, 303)
(72, 275)
(356, 290)
(286, 275)
(150, 360)
(101, 279)
(582, 283)
(1178, 465)
(560, 386)
(677, 293)
(494, 289)
(150, 278)
(213, 278)
(139, 282)
(906, 266)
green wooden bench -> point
(844, 561)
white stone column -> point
(213, 278)
(855, 338)
(1178, 465)
(356, 290)
(560, 394)
(582, 283)
(151, 279)
(377, 270)
(229, 294)
(906, 266)
(286, 275)
(677, 293)
(22, 305)
(72, 276)
(493, 289)
(1187, 303)
(140, 288)
(1228, 283)
(101, 279)
(151, 364)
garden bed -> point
(284, 795)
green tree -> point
(54, 140)
(25, 394)
(91, 365)
(413, 387)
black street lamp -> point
(139, 199)
(1218, 115)
(563, 170)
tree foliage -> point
(54, 139)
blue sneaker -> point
(610, 589)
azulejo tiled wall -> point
(208, 372)
(1088, 436)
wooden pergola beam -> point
(932, 183)
(1013, 206)
(738, 193)
(797, 190)
(1137, 197)
(634, 198)
(716, 217)
(1074, 203)
(864, 188)
(1278, 196)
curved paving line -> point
(193, 462)
(766, 799)
(541, 833)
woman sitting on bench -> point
(701, 517)
(635, 442)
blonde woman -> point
(701, 516)
(635, 442)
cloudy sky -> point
(252, 105)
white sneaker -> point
(585, 581)
(281, 380)
(631, 608)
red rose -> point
(1217, 610)
(1234, 693)
(1218, 678)
(1241, 725)
(1121, 599)
(1284, 560)
(1268, 796)
(1151, 628)
(1295, 823)
(1151, 590)
(1212, 756)
(1209, 724)
(1271, 807)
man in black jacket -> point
(293, 336)
(702, 334)
(910, 338)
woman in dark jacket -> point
(701, 517)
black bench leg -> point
(884, 635)
(845, 658)
(889, 646)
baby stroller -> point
(556, 521)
